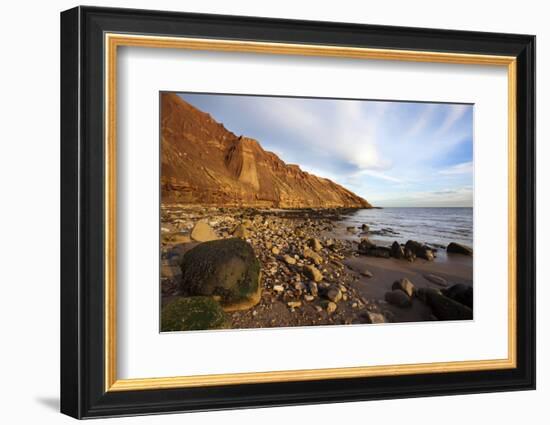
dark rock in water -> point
(422, 293)
(365, 227)
(404, 285)
(444, 308)
(456, 248)
(193, 314)
(227, 268)
(377, 251)
(462, 293)
(409, 255)
(421, 251)
(398, 298)
(365, 245)
(397, 251)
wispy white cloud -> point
(461, 168)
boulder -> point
(456, 248)
(315, 244)
(404, 285)
(396, 251)
(377, 251)
(193, 313)
(312, 273)
(444, 308)
(461, 293)
(398, 298)
(365, 227)
(227, 268)
(410, 256)
(421, 251)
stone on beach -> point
(461, 293)
(315, 244)
(366, 273)
(435, 279)
(227, 268)
(193, 313)
(365, 245)
(202, 232)
(294, 304)
(334, 294)
(421, 251)
(398, 298)
(397, 251)
(456, 248)
(289, 260)
(404, 285)
(312, 255)
(373, 318)
(313, 273)
(241, 231)
(444, 308)
(177, 238)
(331, 307)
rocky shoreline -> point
(305, 275)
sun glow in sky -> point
(401, 154)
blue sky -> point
(405, 154)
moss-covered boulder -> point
(193, 314)
(224, 268)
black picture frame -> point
(83, 392)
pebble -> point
(278, 288)
(289, 260)
(331, 307)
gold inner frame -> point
(113, 41)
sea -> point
(433, 226)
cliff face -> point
(204, 163)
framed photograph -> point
(261, 212)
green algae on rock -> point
(226, 268)
(193, 314)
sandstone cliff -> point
(204, 163)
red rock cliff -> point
(204, 163)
